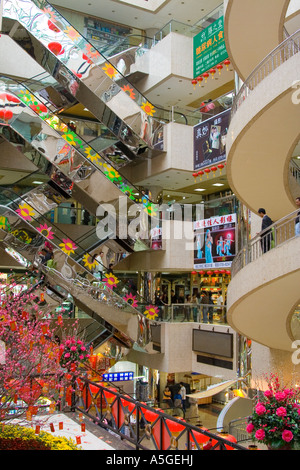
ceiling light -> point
(199, 189)
(218, 184)
(37, 182)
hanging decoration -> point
(194, 83)
(207, 171)
(131, 300)
(212, 72)
(214, 169)
(220, 166)
(111, 280)
(151, 312)
(201, 173)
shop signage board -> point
(209, 48)
(215, 241)
(117, 376)
(210, 140)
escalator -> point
(86, 74)
(74, 276)
(73, 166)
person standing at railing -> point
(267, 235)
(297, 220)
(205, 302)
(73, 213)
(210, 308)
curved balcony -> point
(256, 24)
(263, 294)
(264, 131)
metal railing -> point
(275, 235)
(144, 427)
(287, 49)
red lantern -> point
(206, 75)
(199, 80)
(202, 273)
(194, 82)
(207, 171)
(200, 173)
(209, 273)
(198, 437)
(222, 271)
(212, 72)
(195, 176)
(227, 63)
(214, 169)
(220, 166)
(219, 67)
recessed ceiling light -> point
(37, 182)
(218, 184)
(199, 189)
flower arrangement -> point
(16, 437)
(275, 421)
(72, 351)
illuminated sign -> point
(117, 376)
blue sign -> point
(117, 376)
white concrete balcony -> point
(252, 29)
(263, 294)
(264, 132)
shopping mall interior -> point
(139, 139)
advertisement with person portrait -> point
(210, 140)
(215, 242)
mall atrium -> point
(139, 138)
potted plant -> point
(275, 421)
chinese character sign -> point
(215, 241)
(210, 140)
(209, 47)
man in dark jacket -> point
(266, 237)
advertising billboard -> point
(210, 140)
(209, 48)
(215, 241)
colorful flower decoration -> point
(89, 262)
(68, 246)
(128, 191)
(48, 11)
(46, 231)
(91, 51)
(131, 299)
(53, 27)
(25, 211)
(71, 137)
(92, 155)
(151, 312)
(129, 91)
(111, 280)
(151, 209)
(110, 71)
(72, 33)
(148, 108)
(56, 48)
(111, 173)
(4, 223)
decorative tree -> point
(31, 340)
